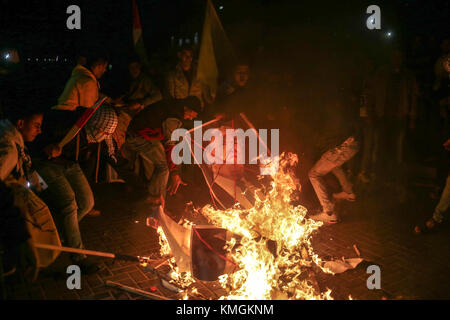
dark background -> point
(317, 41)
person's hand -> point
(118, 102)
(175, 182)
(53, 151)
(447, 145)
(136, 106)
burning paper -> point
(264, 251)
(275, 251)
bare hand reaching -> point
(175, 182)
(53, 151)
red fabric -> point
(136, 18)
(152, 134)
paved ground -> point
(412, 267)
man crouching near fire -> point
(148, 145)
(337, 143)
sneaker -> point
(345, 196)
(327, 217)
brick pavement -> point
(412, 267)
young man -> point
(239, 81)
(148, 145)
(140, 94)
(338, 143)
(82, 89)
(69, 193)
(24, 125)
(181, 82)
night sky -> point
(318, 40)
(38, 27)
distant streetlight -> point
(389, 34)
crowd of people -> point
(130, 136)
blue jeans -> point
(70, 197)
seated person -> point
(140, 94)
(148, 145)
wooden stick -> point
(135, 291)
(74, 250)
(244, 117)
(205, 124)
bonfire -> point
(272, 244)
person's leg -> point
(81, 189)
(61, 197)
(318, 171)
(346, 185)
(160, 177)
(346, 151)
(444, 203)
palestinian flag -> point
(137, 35)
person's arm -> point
(153, 94)
(169, 126)
(169, 90)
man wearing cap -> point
(148, 144)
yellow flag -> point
(215, 49)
